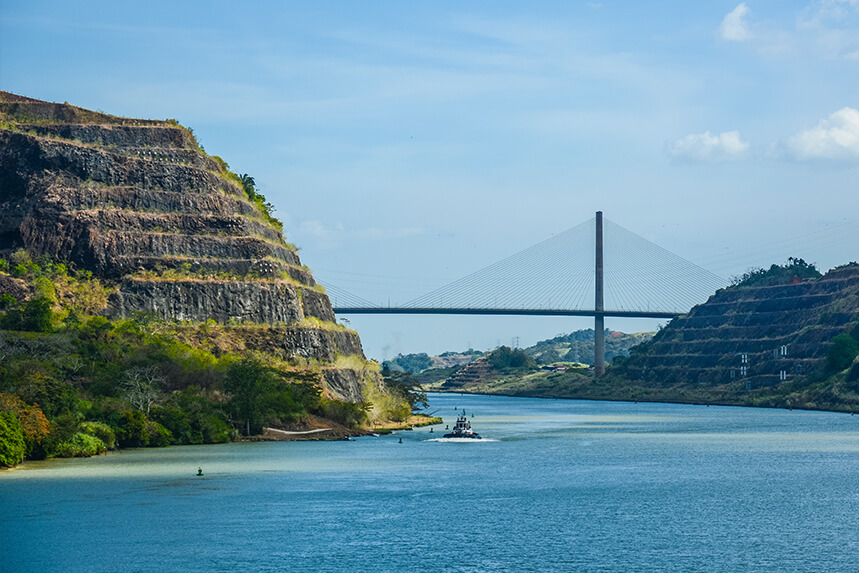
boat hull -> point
(468, 436)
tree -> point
(841, 353)
(248, 380)
(795, 268)
(249, 185)
(142, 387)
(406, 386)
(414, 363)
(36, 316)
(33, 423)
(12, 447)
(505, 357)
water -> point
(565, 486)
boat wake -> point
(462, 440)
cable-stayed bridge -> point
(596, 268)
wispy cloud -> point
(835, 137)
(826, 29)
(331, 236)
(706, 147)
(734, 27)
(824, 11)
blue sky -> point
(406, 144)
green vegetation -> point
(578, 346)
(414, 363)
(248, 185)
(435, 376)
(835, 387)
(73, 383)
(405, 385)
(186, 271)
(505, 358)
(469, 352)
(841, 353)
(794, 269)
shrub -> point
(80, 446)
(216, 430)
(12, 446)
(101, 431)
(132, 431)
(349, 414)
(159, 436)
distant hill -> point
(417, 363)
(774, 338)
(578, 346)
(575, 347)
(779, 337)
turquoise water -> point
(564, 486)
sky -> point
(408, 144)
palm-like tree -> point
(248, 184)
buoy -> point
(401, 440)
(430, 430)
(199, 471)
(446, 427)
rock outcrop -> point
(751, 337)
(138, 203)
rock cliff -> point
(143, 207)
(752, 337)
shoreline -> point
(326, 434)
(645, 400)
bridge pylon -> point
(599, 306)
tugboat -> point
(462, 429)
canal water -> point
(559, 485)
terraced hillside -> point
(751, 337)
(143, 207)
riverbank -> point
(666, 396)
(317, 429)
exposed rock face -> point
(472, 374)
(753, 336)
(140, 205)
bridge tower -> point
(599, 316)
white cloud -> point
(734, 27)
(332, 236)
(835, 138)
(705, 146)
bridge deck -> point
(503, 311)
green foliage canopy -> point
(795, 268)
(841, 353)
(404, 384)
(505, 357)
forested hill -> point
(578, 346)
(779, 337)
(148, 295)
(782, 336)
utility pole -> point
(599, 317)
